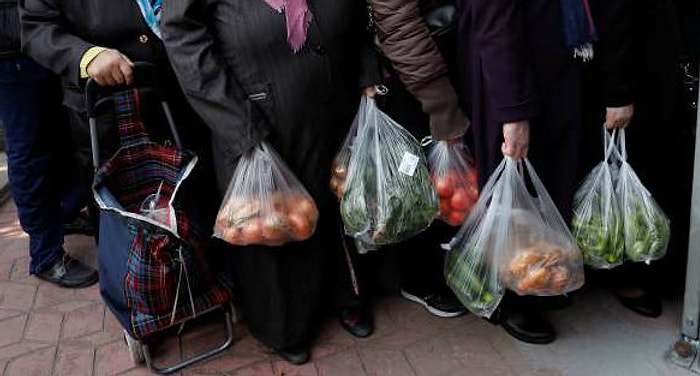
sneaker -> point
(438, 305)
(70, 273)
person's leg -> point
(28, 101)
(421, 268)
(25, 91)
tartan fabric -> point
(154, 265)
(220, 292)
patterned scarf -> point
(151, 11)
(298, 17)
(579, 30)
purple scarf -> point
(298, 17)
(579, 31)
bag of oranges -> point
(265, 204)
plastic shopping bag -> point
(513, 241)
(265, 204)
(597, 221)
(387, 195)
(455, 177)
(647, 229)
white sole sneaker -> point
(433, 311)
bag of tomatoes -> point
(455, 177)
(265, 204)
(387, 196)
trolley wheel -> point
(135, 349)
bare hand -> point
(618, 117)
(110, 68)
(516, 138)
(370, 91)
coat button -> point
(143, 38)
(320, 50)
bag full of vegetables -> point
(647, 229)
(387, 194)
(265, 204)
(455, 178)
(512, 240)
(597, 220)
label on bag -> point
(409, 163)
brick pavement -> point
(46, 330)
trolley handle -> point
(145, 79)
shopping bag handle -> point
(145, 80)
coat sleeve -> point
(499, 32)
(209, 84)
(615, 49)
(407, 43)
(370, 72)
(46, 38)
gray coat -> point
(239, 73)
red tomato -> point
(445, 207)
(232, 235)
(459, 200)
(456, 218)
(300, 225)
(252, 232)
(443, 186)
(307, 208)
(473, 176)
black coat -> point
(57, 33)
(9, 28)
(514, 66)
(239, 73)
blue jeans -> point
(42, 172)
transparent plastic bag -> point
(455, 178)
(513, 241)
(597, 220)
(388, 196)
(647, 229)
(265, 204)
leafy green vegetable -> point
(466, 277)
(647, 231)
(600, 238)
(382, 204)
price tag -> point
(409, 163)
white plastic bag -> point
(387, 194)
(513, 241)
(647, 229)
(455, 178)
(597, 220)
(265, 204)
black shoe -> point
(440, 305)
(296, 355)
(357, 321)
(69, 272)
(79, 225)
(647, 304)
(528, 327)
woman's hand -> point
(618, 117)
(370, 91)
(110, 68)
(516, 138)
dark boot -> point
(69, 272)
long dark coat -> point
(515, 66)
(233, 61)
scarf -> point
(579, 30)
(151, 11)
(298, 17)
